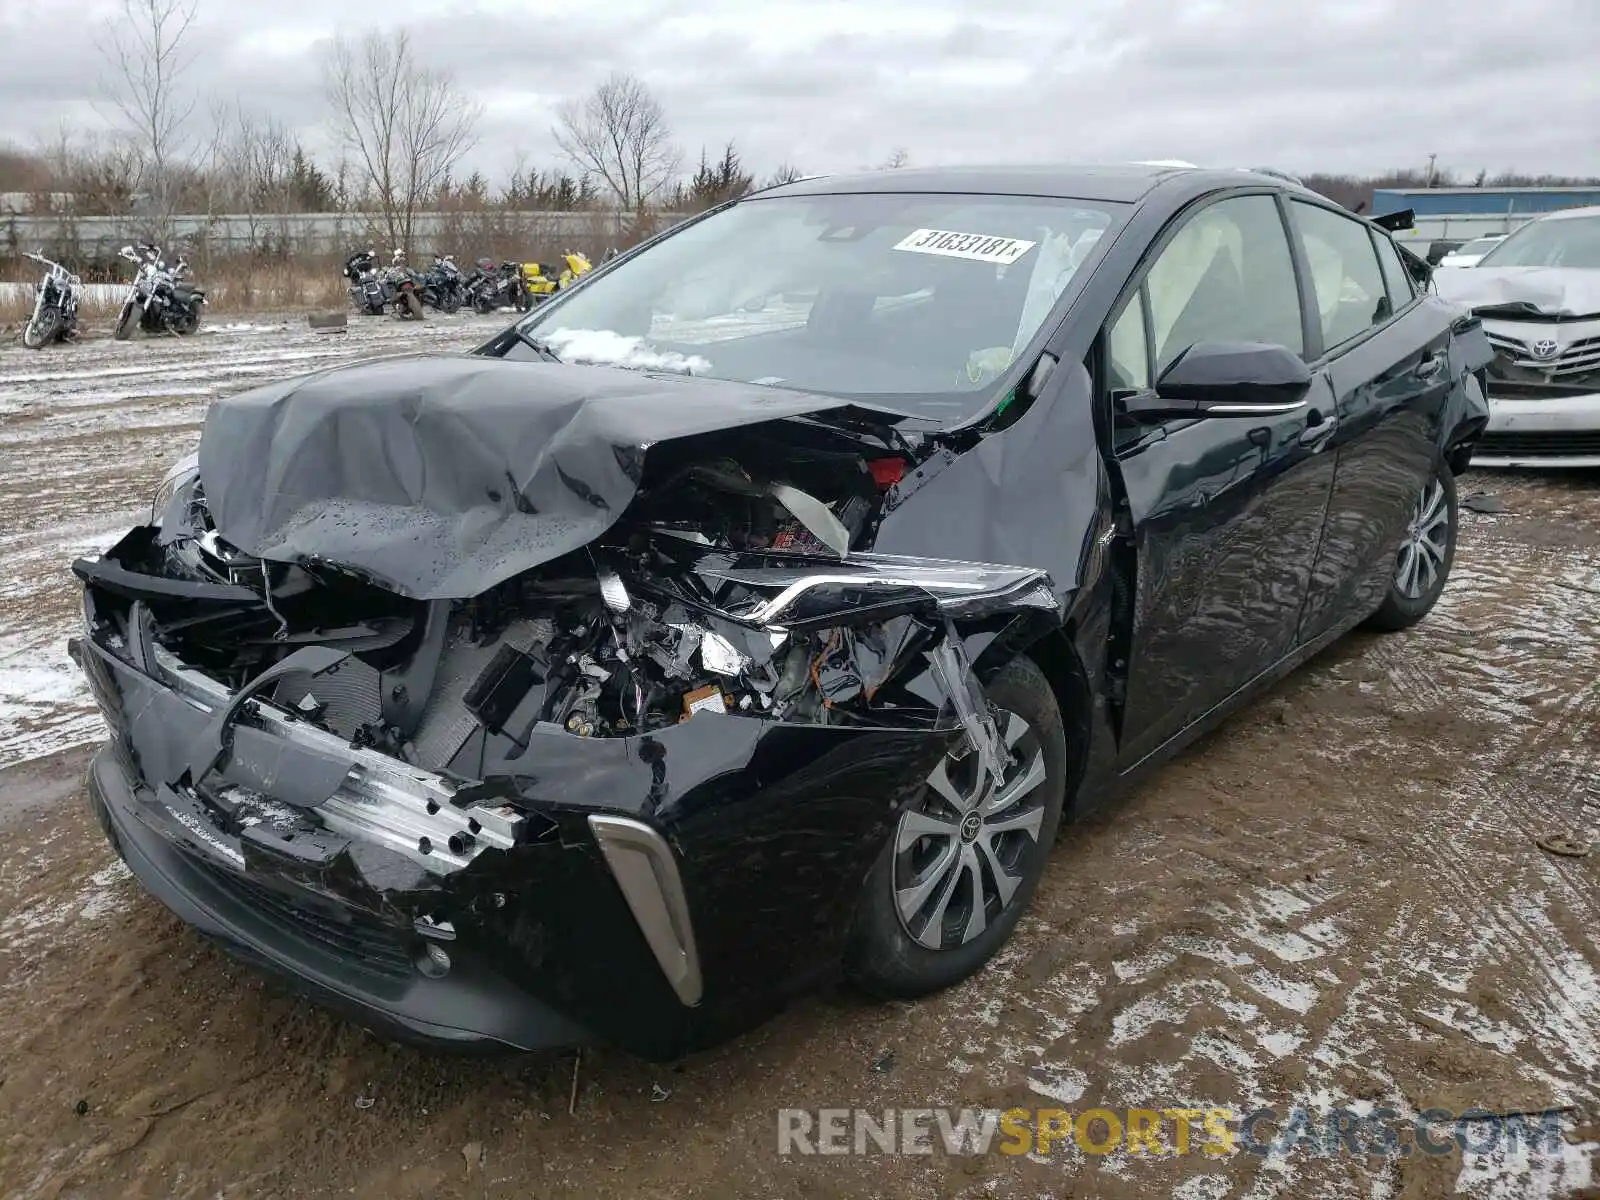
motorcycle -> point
(491, 287)
(404, 288)
(545, 280)
(159, 300)
(55, 306)
(367, 292)
(442, 285)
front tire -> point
(42, 329)
(963, 862)
(125, 322)
(1427, 551)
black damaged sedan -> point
(757, 610)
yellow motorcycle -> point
(544, 280)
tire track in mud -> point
(86, 432)
(1496, 973)
(1413, 949)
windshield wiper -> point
(534, 344)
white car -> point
(1470, 254)
(1538, 295)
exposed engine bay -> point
(725, 590)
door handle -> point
(1315, 435)
(1430, 366)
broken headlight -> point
(180, 478)
(776, 635)
(765, 590)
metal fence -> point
(97, 238)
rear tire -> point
(413, 305)
(126, 322)
(1427, 551)
(43, 329)
(993, 867)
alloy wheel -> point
(1422, 553)
(960, 856)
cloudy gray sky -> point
(1338, 85)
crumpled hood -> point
(1546, 291)
(440, 476)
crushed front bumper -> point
(658, 894)
(375, 973)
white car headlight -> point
(180, 475)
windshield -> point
(1563, 242)
(1477, 246)
(915, 302)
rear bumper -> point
(470, 1008)
(1560, 431)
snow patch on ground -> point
(108, 891)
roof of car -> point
(1562, 214)
(1112, 183)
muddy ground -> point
(1336, 898)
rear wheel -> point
(42, 330)
(413, 305)
(128, 318)
(1427, 550)
(963, 862)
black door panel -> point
(1391, 389)
(1227, 514)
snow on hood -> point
(440, 476)
(602, 347)
(1546, 291)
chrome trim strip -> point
(647, 872)
(1251, 410)
(382, 799)
(942, 580)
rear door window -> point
(1346, 279)
(1395, 276)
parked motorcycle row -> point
(160, 299)
(163, 300)
(408, 293)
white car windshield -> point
(917, 302)
(1564, 242)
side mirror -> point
(1224, 379)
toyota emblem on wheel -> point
(1544, 348)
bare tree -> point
(405, 126)
(786, 173)
(898, 157)
(145, 50)
(620, 133)
(252, 169)
(100, 173)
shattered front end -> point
(627, 793)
